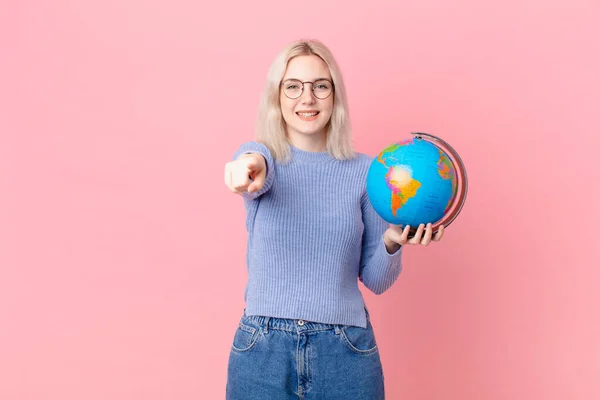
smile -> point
(308, 116)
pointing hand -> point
(246, 174)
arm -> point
(379, 268)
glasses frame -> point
(312, 88)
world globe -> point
(417, 181)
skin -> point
(248, 172)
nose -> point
(307, 96)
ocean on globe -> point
(412, 182)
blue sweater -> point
(312, 234)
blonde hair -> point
(271, 127)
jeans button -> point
(300, 322)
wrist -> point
(390, 246)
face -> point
(308, 114)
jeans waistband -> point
(291, 325)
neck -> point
(312, 143)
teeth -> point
(307, 114)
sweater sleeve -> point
(258, 148)
(378, 268)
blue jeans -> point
(280, 359)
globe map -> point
(412, 182)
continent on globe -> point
(447, 171)
(403, 186)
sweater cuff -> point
(383, 269)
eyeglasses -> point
(293, 88)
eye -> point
(322, 85)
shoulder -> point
(364, 159)
(355, 171)
(254, 147)
(361, 162)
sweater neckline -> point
(313, 157)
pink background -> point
(122, 252)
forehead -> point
(306, 68)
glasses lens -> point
(292, 88)
(322, 89)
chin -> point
(310, 130)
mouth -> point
(307, 115)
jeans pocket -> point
(245, 338)
(359, 340)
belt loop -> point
(337, 329)
(267, 319)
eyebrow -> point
(318, 79)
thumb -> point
(257, 183)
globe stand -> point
(462, 181)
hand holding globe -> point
(397, 236)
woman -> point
(312, 234)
